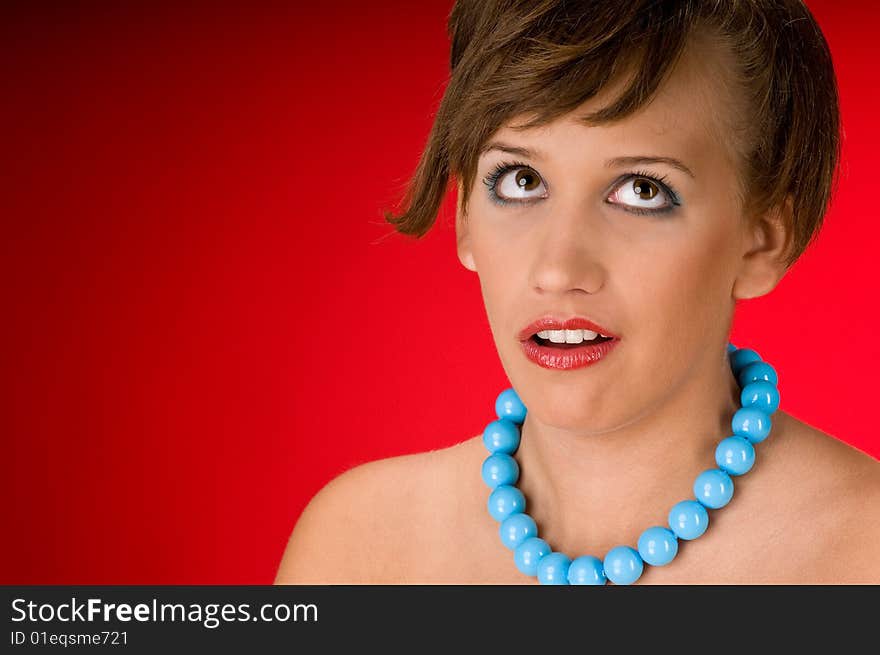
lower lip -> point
(568, 358)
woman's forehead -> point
(687, 119)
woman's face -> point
(650, 250)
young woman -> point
(625, 173)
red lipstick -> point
(565, 356)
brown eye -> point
(526, 179)
(643, 195)
(515, 183)
(644, 189)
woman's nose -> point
(568, 256)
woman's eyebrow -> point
(611, 163)
(513, 150)
(631, 161)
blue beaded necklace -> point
(658, 545)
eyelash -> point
(661, 181)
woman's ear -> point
(462, 235)
(763, 262)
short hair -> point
(544, 58)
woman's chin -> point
(574, 415)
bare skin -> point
(608, 449)
(807, 513)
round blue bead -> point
(751, 423)
(688, 519)
(713, 488)
(760, 395)
(500, 469)
(516, 528)
(623, 565)
(529, 553)
(730, 348)
(735, 455)
(586, 570)
(553, 569)
(757, 371)
(741, 357)
(501, 436)
(658, 546)
(508, 405)
(506, 500)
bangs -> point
(545, 61)
(538, 60)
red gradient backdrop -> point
(205, 319)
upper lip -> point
(553, 323)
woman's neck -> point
(597, 490)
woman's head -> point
(658, 162)
(541, 59)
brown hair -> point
(544, 58)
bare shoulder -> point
(836, 466)
(363, 526)
(831, 490)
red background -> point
(204, 317)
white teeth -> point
(557, 336)
(568, 336)
(579, 336)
